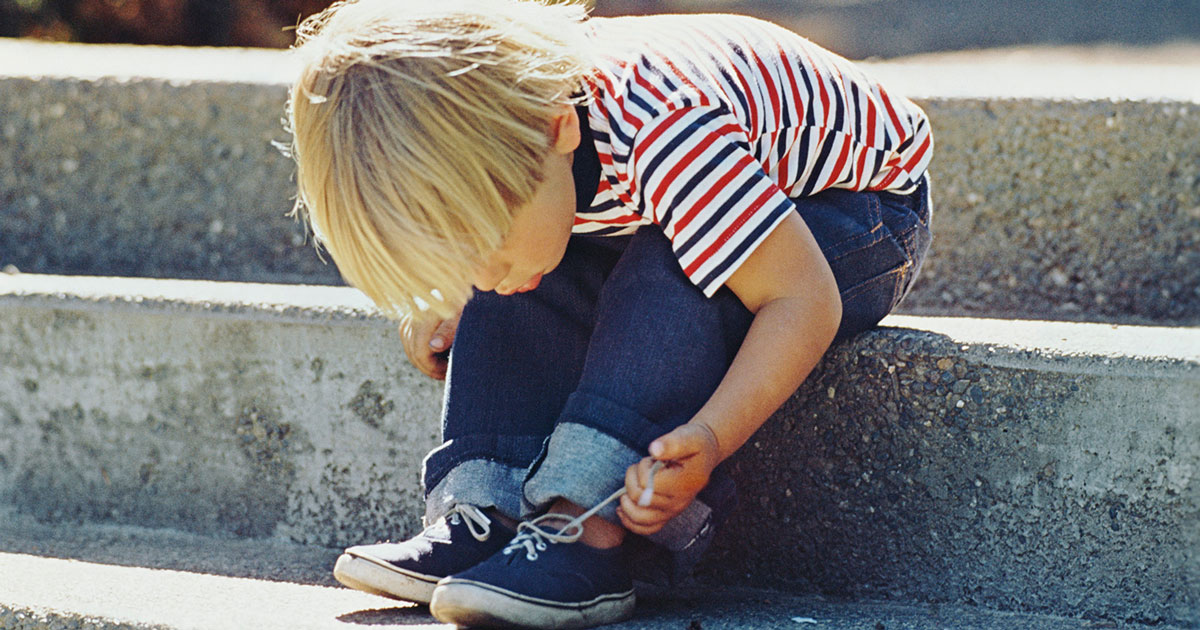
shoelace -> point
(534, 537)
(477, 522)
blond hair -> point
(418, 127)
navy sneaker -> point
(411, 569)
(542, 579)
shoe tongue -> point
(439, 531)
(498, 526)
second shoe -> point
(411, 569)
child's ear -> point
(565, 129)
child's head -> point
(419, 126)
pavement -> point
(109, 577)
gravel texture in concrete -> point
(1066, 187)
(1015, 465)
(1066, 182)
(1026, 466)
(129, 161)
(1082, 211)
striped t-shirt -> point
(706, 125)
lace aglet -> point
(648, 492)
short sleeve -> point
(698, 181)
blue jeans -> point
(553, 393)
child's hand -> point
(427, 344)
(690, 453)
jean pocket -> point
(843, 222)
(869, 301)
(917, 246)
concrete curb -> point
(1063, 189)
(964, 458)
(925, 463)
(224, 404)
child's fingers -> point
(635, 485)
(664, 447)
(665, 493)
(438, 366)
(429, 363)
(443, 335)
(647, 486)
(682, 442)
(670, 481)
(640, 520)
(416, 340)
(660, 490)
(645, 478)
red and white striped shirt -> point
(706, 125)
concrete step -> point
(123, 577)
(1065, 187)
(1033, 466)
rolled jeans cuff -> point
(582, 465)
(484, 470)
(584, 462)
(479, 482)
(516, 451)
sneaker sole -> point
(469, 603)
(379, 578)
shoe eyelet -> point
(541, 546)
(531, 556)
(508, 552)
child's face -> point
(541, 228)
(538, 238)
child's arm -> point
(789, 287)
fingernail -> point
(656, 448)
(437, 343)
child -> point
(639, 235)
